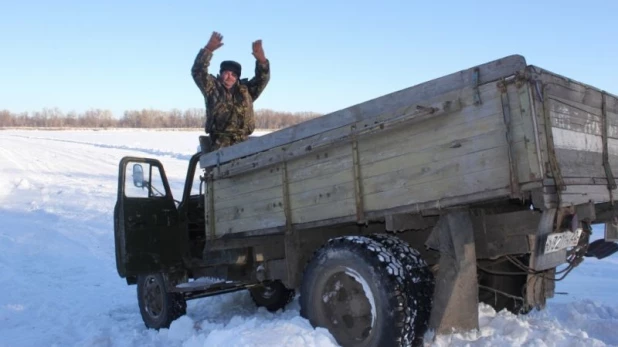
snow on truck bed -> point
(60, 286)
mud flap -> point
(601, 249)
(455, 303)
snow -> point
(60, 286)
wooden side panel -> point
(417, 163)
(577, 134)
(249, 201)
(445, 157)
(417, 94)
(457, 153)
(322, 185)
(577, 114)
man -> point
(229, 100)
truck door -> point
(149, 234)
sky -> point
(324, 55)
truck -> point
(390, 218)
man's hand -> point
(258, 51)
(214, 42)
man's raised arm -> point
(262, 71)
(199, 70)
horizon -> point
(115, 56)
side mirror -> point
(138, 175)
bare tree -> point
(146, 118)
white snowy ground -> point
(59, 285)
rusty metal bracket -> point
(476, 79)
(358, 187)
(287, 210)
(551, 150)
(291, 241)
(611, 182)
(210, 206)
(506, 113)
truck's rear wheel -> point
(419, 281)
(158, 307)
(273, 295)
(354, 287)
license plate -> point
(557, 242)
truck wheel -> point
(354, 287)
(420, 281)
(158, 307)
(272, 295)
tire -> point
(512, 285)
(354, 287)
(272, 295)
(158, 307)
(419, 282)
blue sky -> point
(325, 55)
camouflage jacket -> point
(229, 112)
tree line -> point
(145, 118)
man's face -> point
(228, 78)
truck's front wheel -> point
(354, 287)
(158, 307)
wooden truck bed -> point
(501, 130)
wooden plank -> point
(574, 115)
(323, 195)
(383, 190)
(465, 137)
(249, 182)
(573, 101)
(584, 164)
(326, 162)
(538, 119)
(323, 181)
(474, 184)
(570, 139)
(252, 223)
(245, 206)
(417, 94)
(446, 131)
(576, 195)
(379, 124)
(426, 157)
(574, 163)
(224, 200)
(331, 210)
(522, 155)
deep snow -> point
(60, 286)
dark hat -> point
(231, 66)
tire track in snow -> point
(47, 173)
(10, 157)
